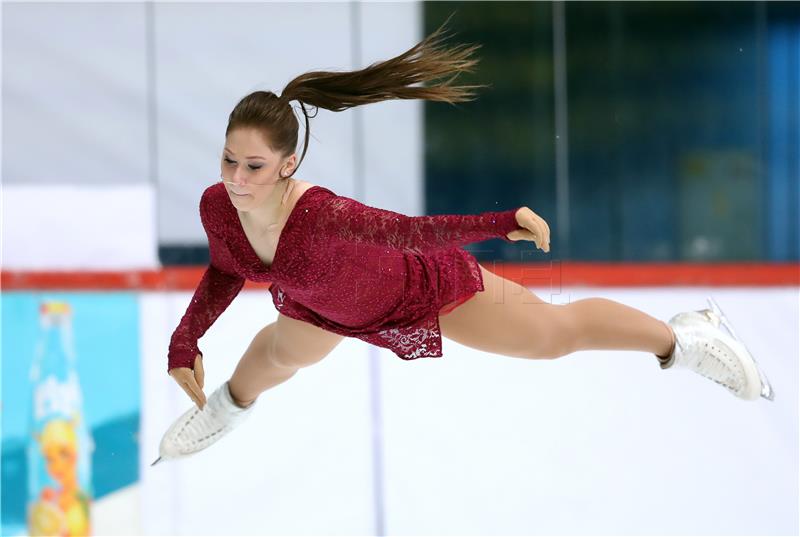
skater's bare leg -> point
(507, 318)
(276, 353)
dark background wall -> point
(682, 127)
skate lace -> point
(204, 427)
(708, 363)
(200, 429)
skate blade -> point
(766, 388)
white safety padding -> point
(79, 227)
(76, 104)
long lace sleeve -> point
(213, 295)
(340, 218)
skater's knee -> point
(297, 344)
(260, 347)
(556, 333)
(293, 354)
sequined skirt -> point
(447, 308)
(459, 278)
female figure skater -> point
(340, 268)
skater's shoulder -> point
(215, 189)
(316, 194)
(300, 188)
(210, 199)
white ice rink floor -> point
(597, 442)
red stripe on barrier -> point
(558, 274)
(552, 274)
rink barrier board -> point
(551, 274)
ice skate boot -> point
(197, 429)
(702, 346)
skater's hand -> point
(536, 229)
(191, 381)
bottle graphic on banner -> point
(60, 444)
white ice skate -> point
(197, 429)
(703, 347)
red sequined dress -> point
(351, 269)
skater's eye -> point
(229, 161)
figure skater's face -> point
(250, 169)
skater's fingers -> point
(535, 228)
(544, 225)
(194, 391)
(541, 232)
(199, 372)
(180, 374)
(528, 235)
(184, 376)
(199, 396)
(190, 394)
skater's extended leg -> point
(276, 353)
(507, 318)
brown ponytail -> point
(426, 61)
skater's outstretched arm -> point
(343, 219)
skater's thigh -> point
(506, 318)
(300, 344)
